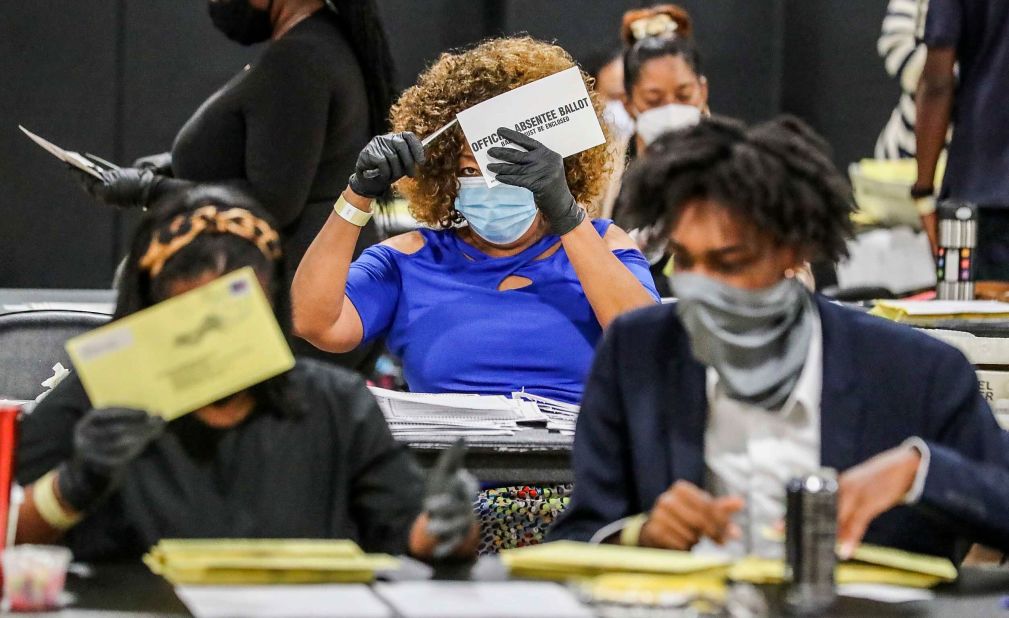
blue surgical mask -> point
(500, 214)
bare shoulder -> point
(408, 243)
(617, 238)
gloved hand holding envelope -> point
(555, 111)
(185, 352)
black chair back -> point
(31, 342)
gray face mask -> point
(757, 340)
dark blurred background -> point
(118, 78)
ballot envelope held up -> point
(185, 352)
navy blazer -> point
(643, 420)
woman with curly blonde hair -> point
(512, 285)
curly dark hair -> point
(777, 175)
(459, 80)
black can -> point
(810, 539)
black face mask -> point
(240, 21)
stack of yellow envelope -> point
(264, 561)
(870, 564)
(563, 560)
(655, 570)
(924, 312)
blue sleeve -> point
(968, 474)
(943, 23)
(600, 462)
(633, 259)
(373, 285)
(635, 262)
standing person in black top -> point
(306, 454)
(965, 82)
(288, 128)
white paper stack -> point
(451, 414)
(451, 599)
(560, 416)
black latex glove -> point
(105, 441)
(540, 170)
(448, 501)
(128, 187)
(385, 159)
(160, 164)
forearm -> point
(34, 526)
(318, 291)
(609, 286)
(934, 104)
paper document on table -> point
(561, 416)
(448, 599)
(566, 559)
(870, 564)
(906, 561)
(439, 406)
(264, 561)
(88, 163)
(335, 600)
(883, 593)
(555, 111)
(918, 310)
(185, 352)
(453, 414)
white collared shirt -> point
(752, 453)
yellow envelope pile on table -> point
(654, 570)
(569, 559)
(869, 564)
(927, 311)
(265, 561)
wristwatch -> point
(918, 193)
(351, 213)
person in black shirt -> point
(286, 129)
(965, 82)
(306, 454)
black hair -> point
(777, 175)
(208, 252)
(593, 62)
(362, 24)
(649, 48)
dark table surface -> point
(131, 588)
(531, 456)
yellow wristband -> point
(631, 533)
(48, 505)
(351, 213)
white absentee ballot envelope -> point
(555, 111)
(185, 352)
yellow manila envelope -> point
(185, 352)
